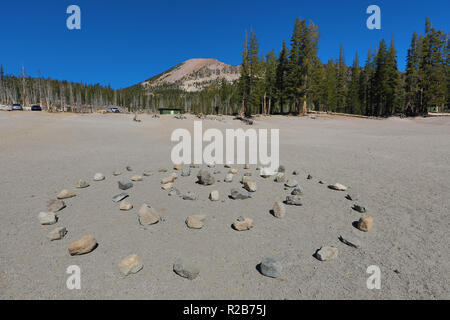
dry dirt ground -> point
(398, 168)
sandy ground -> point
(398, 168)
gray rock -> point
(129, 168)
(186, 172)
(120, 197)
(214, 195)
(281, 169)
(47, 218)
(296, 172)
(57, 234)
(239, 194)
(271, 268)
(309, 177)
(280, 177)
(293, 200)
(55, 205)
(189, 196)
(117, 173)
(186, 271)
(147, 173)
(205, 177)
(250, 186)
(291, 183)
(174, 192)
(337, 187)
(351, 242)
(229, 177)
(297, 191)
(81, 184)
(99, 177)
(124, 185)
(359, 208)
(327, 253)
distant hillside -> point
(194, 75)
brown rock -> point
(365, 223)
(125, 205)
(65, 194)
(82, 246)
(241, 224)
(195, 221)
(148, 215)
(177, 167)
(167, 186)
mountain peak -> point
(195, 74)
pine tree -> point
(331, 86)
(380, 80)
(353, 98)
(412, 76)
(392, 89)
(281, 77)
(270, 73)
(341, 81)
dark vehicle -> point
(17, 106)
(36, 108)
(113, 110)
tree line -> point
(292, 82)
(297, 81)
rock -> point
(245, 179)
(83, 246)
(82, 184)
(309, 177)
(233, 171)
(350, 242)
(365, 223)
(195, 221)
(125, 205)
(247, 174)
(189, 196)
(227, 165)
(147, 173)
(205, 177)
(168, 179)
(280, 177)
(246, 166)
(271, 268)
(167, 186)
(350, 197)
(266, 172)
(125, 185)
(250, 186)
(214, 195)
(242, 224)
(281, 169)
(117, 173)
(321, 182)
(178, 167)
(297, 191)
(65, 194)
(129, 168)
(279, 210)
(148, 215)
(136, 178)
(239, 194)
(186, 271)
(131, 264)
(186, 172)
(99, 177)
(293, 201)
(211, 165)
(57, 234)
(229, 177)
(174, 192)
(120, 197)
(338, 187)
(47, 218)
(55, 205)
(359, 208)
(327, 253)
(162, 170)
(295, 172)
(216, 172)
(193, 166)
(291, 183)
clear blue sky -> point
(124, 42)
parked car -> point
(17, 106)
(6, 108)
(113, 110)
(36, 108)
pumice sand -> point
(398, 170)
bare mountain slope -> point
(195, 74)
